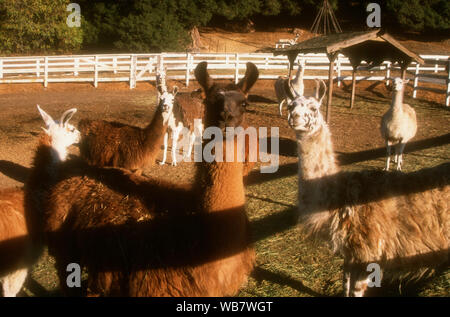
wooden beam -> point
(331, 57)
(352, 41)
(352, 100)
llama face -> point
(304, 114)
(399, 83)
(62, 133)
(229, 107)
(225, 104)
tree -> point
(421, 15)
(37, 26)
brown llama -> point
(145, 237)
(19, 242)
(399, 221)
(116, 144)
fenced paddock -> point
(133, 68)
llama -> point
(15, 243)
(186, 109)
(297, 85)
(120, 145)
(398, 124)
(391, 219)
(18, 229)
(145, 237)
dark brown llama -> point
(146, 237)
(120, 145)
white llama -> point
(398, 124)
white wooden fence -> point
(133, 68)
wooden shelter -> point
(374, 47)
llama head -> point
(61, 132)
(225, 104)
(166, 102)
(398, 83)
(304, 112)
(161, 80)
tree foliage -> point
(36, 26)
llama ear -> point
(202, 76)
(66, 116)
(46, 117)
(320, 83)
(288, 90)
(174, 90)
(250, 78)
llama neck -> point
(316, 155)
(154, 132)
(297, 83)
(221, 184)
(397, 100)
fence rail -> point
(133, 68)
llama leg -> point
(12, 284)
(166, 137)
(388, 154)
(346, 282)
(400, 147)
(191, 144)
(175, 137)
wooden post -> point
(1, 68)
(96, 71)
(338, 68)
(388, 73)
(416, 80)
(76, 66)
(115, 64)
(133, 64)
(352, 100)
(188, 68)
(38, 67)
(236, 70)
(447, 99)
(45, 71)
(331, 57)
(404, 69)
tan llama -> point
(398, 221)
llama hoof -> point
(174, 163)
(162, 163)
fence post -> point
(188, 68)
(338, 67)
(1, 68)
(45, 72)
(236, 71)
(388, 73)
(447, 99)
(115, 64)
(416, 80)
(76, 65)
(95, 71)
(38, 67)
(133, 62)
(436, 65)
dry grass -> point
(286, 265)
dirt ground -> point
(286, 265)
(217, 40)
